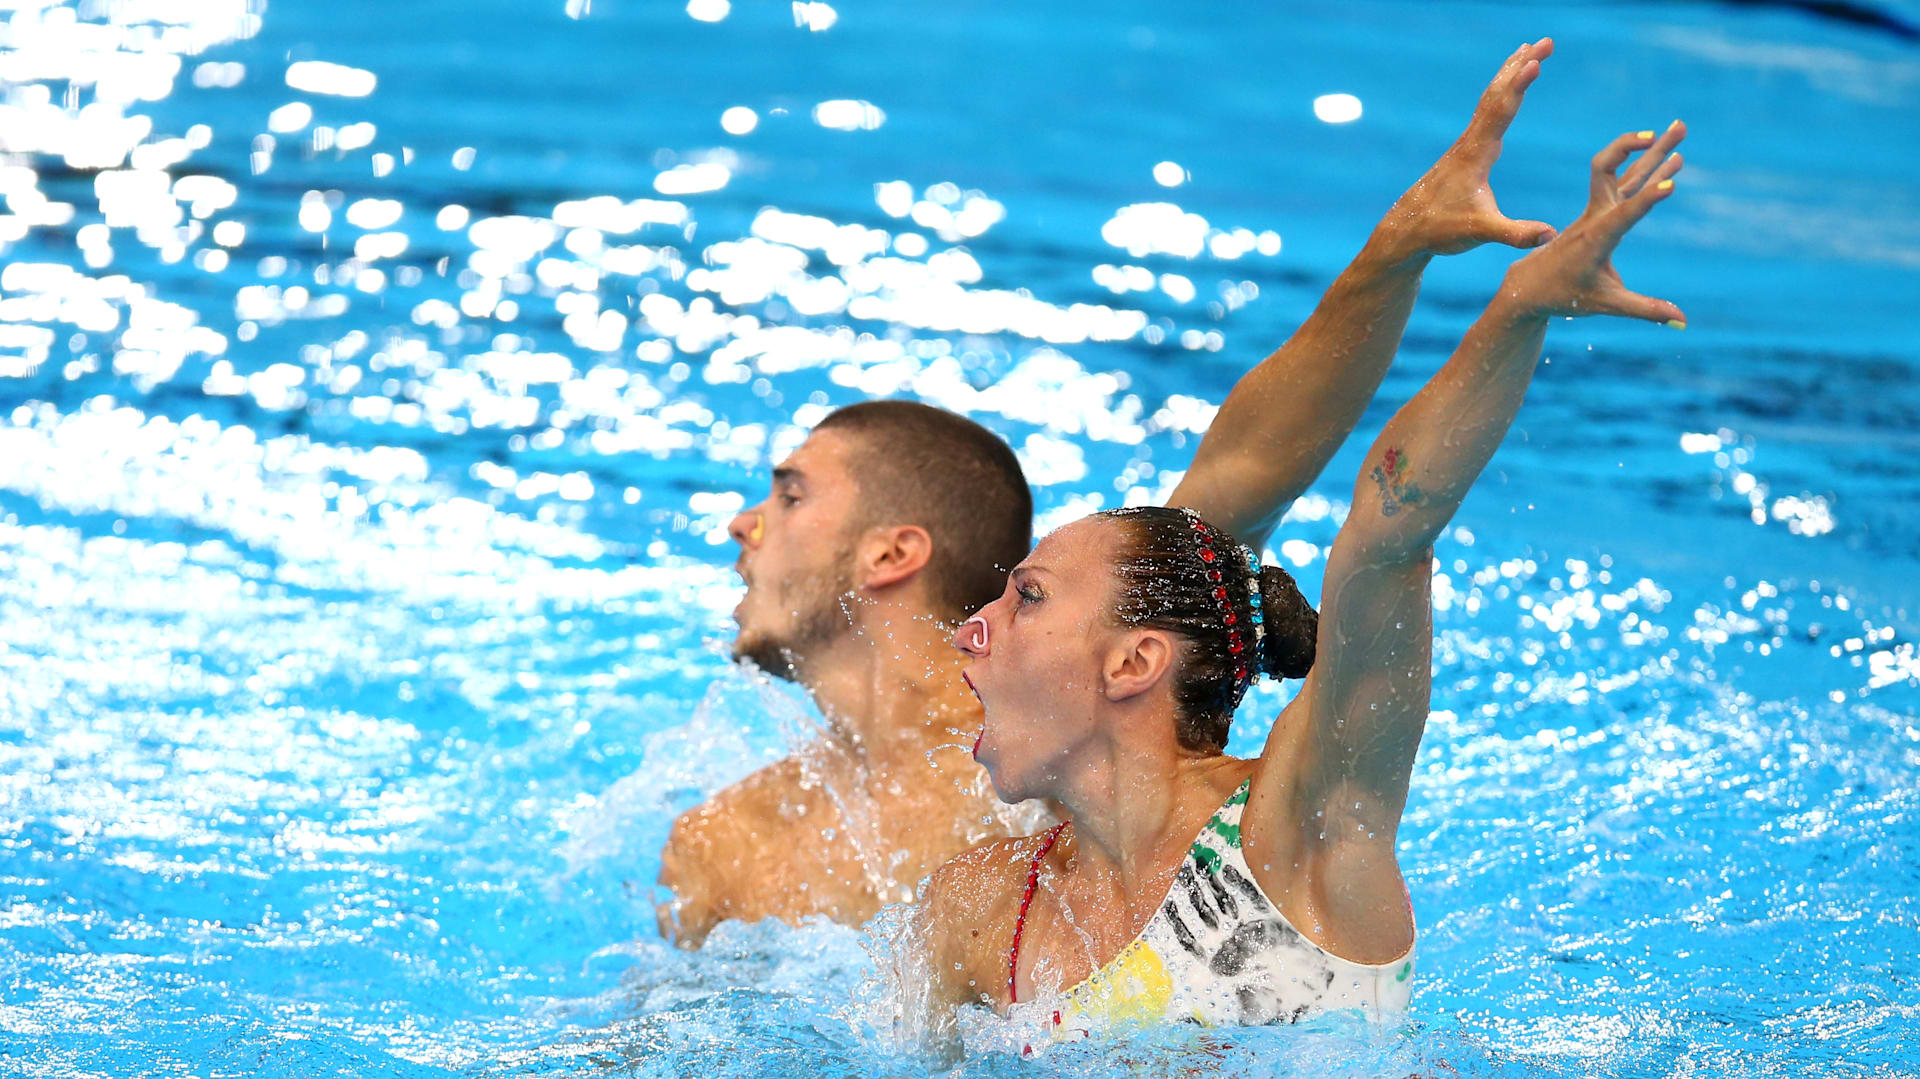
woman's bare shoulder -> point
(982, 879)
(968, 907)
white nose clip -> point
(978, 641)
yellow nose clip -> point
(759, 528)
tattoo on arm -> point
(1391, 477)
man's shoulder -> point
(751, 805)
(743, 853)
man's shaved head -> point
(919, 465)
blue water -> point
(361, 563)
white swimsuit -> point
(1217, 952)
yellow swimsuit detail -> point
(1219, 952)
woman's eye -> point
(1029, 595)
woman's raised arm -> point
(1285, 418)
(1367, 695)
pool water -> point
(376, 381)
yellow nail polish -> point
(1676, 324)
(1644, 135)
(1664, 185)
(759, 528)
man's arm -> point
(701, 866)
(1285, 418)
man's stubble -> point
(820, 617)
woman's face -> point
(1036, 659)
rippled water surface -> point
(376, 380)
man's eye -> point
(787, 499)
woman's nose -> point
(972, 636)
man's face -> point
(796, 556)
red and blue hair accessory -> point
(1204, 539)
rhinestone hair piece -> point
(1243, 671)
(1254, 599)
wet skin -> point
(1080, 710)
(856, 819)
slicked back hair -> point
(1164, 583)
(919, 465)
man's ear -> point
(891, 556)
(1137, 663)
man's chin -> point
(770, 656)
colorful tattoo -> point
(1395, 491)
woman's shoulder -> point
(984, 878)
(968, 907)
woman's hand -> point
(1574, 274)
(1451, 209)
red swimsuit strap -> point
(1026, 900)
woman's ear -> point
(1139, 660)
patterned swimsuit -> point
(1217, 952)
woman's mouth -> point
(983, 727)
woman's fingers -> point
(1521, 234)
(1606, 164)
(1658, 186)
(1501, 101)
(1575, 275)
(1607, 186)
(1633, 305)
(1615, 297)
(1637, 175)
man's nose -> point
(972, 636)
(747, 528)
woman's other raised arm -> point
(1367, 695)
(1285, 418)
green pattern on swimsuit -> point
(1207, 857)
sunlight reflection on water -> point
(370, 423)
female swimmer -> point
(1184, 883)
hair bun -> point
(1292, 626)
